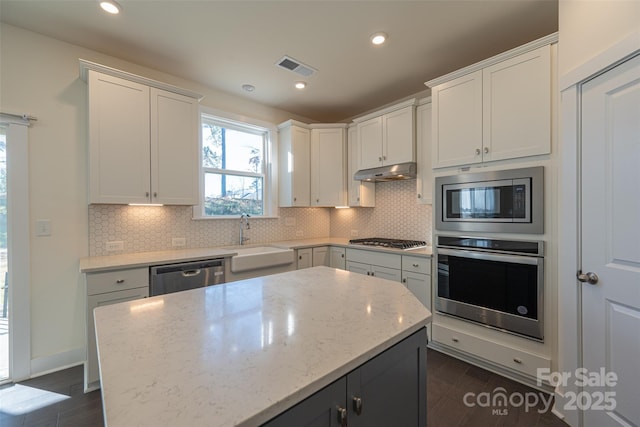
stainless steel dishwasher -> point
(166, 279)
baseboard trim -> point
(57, 362)
(491, 367)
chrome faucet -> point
(244, 225)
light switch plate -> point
(43, 227)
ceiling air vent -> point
(296, 66)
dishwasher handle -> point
(191, 273)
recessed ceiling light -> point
(110, 6)
(249, 88)
(379, 38)
(300, 85)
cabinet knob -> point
(478, 151)
(454, 339)
(357, 405)
(518, 361)
(342, 416)
(300, 257)
(295, 198)
(404, 280)
(357, 199)
(120, 281)
(419, 196)
(342, 255)
(415, 265)
(317, 200)
(146, 194)
(155, 194)
(384, 157)
(486, 150)
(379, 159)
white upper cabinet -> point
(174, 148)
(294, 164)
(424, 179)
(517, 106)
(143, 143)
(387, 137)
(457, 121)
(498, 109)
(361, 193)
(328, 166)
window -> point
(234, 168)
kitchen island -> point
(241, 353)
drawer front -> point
(120, 280)
(518, 360)
(416, 264)
(374, 258)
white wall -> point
(587, 27)
(39, 76)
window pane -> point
(231, 149)
(226, 194)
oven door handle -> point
(485, 256)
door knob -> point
(590, 278)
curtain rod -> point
(21, 116)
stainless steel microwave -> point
(507, 201)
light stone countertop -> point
(145, 259)
(240, 353)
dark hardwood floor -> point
(57, 399)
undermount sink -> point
(260, 257)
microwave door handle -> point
(514, 259)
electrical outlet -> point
(178, 242)
(116, 245)
(43, 227)
(299, 233)
(354, 233)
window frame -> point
(241, 123)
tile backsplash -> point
(149, 228)
(152, 228)
(396, 215)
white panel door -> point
(119, 152)
(611, 240)
(457, 121)
(174, 148)
(399, 136)
(328, 185)
(517, 106)
(370, 138)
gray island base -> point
(309, 347)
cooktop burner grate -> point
(389, 243)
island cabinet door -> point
(391, 388)
(323, 409)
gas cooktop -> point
(390, 243)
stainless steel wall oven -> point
(508, 201)
(498, 283)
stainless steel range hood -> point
(387, 173)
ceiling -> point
(225, 44)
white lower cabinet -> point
(377, 264)
(320, 256)
(521, 361)
(337, 258)
(106, 288)
(304, 258)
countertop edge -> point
(94, 264)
